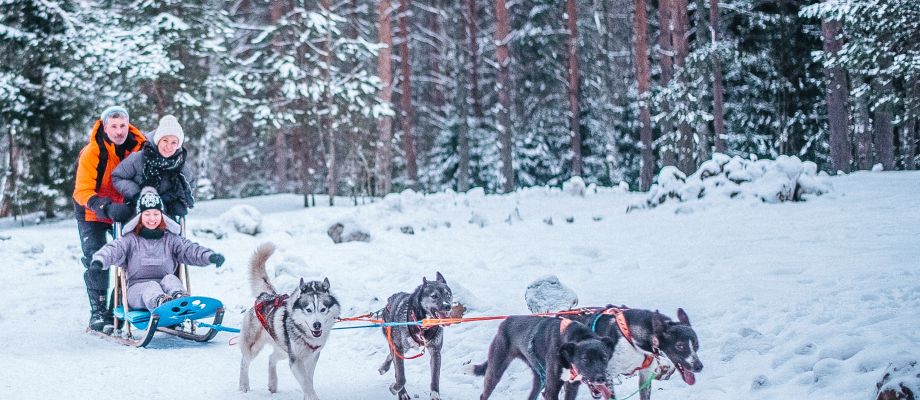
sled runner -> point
(178, 317)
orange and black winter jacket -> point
(94, 170)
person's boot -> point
(97, 309)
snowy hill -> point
(792, 300)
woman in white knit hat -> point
(162, 165)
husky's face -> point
(314, 307)
(679, 342)
(436, 297)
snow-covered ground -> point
(807, 300)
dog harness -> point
(623, 326)
(574, 375)
(265, 307)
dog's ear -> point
(440, 278)
(658, 324)
(682, 317)
(326, 284)
(566, 354)
(424, 280)
(609, 343)
(303, 285)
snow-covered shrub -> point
(547, 294)
(771, 181)
(243, 218)
(575, 186)
(348, 231)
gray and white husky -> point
(431, 299)
(297, 325)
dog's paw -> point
(435, 396)
(404, 395)
(244, 388)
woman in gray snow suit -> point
(150, 250)
(162, 165)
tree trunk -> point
(705, 144)
(504, 98)
(837, 94)
(680, 19)
(665, 54)
(640, 25)
(863, 131)
(408, 139)
(884, 130)
(280, 145)
(718, 93)
(7, 207)
(909, 144)
(472, 32)
(384, 154)
(574, 108)
(326, 120)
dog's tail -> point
(258, 279)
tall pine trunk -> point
(7, 206)
(384, 153)
(280, 145)
(504, 97)
(572, 90)
(909, 143)
(718, 93)
(665, 58)
(837, 94)
(326, 120)
(640, 26)
(884, 130)
(472, 85)
(862, 129)
(408, 139)
(680, 17)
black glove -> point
(119, 212)
(216, 259)
(99, 205)
(96, 265)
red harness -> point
(618, 316)
(266, 308)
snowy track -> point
(790, 301)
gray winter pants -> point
(143, 295)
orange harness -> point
(618, 316)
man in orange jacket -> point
(96, 202)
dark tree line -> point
(362, 98)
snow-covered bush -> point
(771, 181)
(574, 186)
(243, 218)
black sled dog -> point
(646, 342)
(555, 349)
(431, 299)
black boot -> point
(97, 309)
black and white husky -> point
(297, 325)
(645, 342)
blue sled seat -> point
(172, 312)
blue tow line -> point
(385, 324)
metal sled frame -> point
(126, 337)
